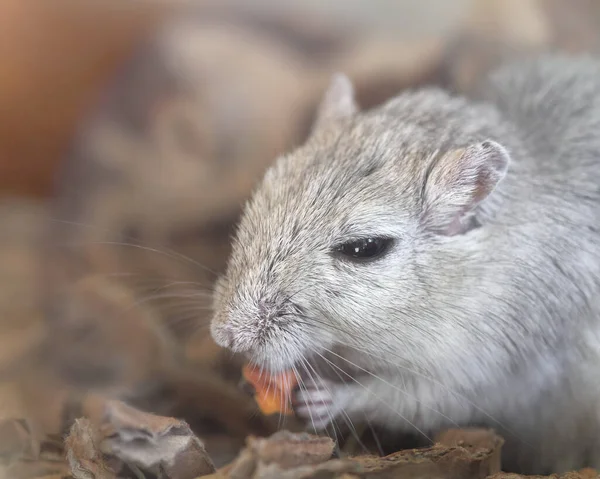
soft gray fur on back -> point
(485, 309)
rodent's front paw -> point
(320, 403)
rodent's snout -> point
(243, 329)
(256, 327)
(222, 335)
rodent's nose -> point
(241, 335)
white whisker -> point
(375, 396)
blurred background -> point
(131, 133)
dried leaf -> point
(330, 469)
(154, 443)
(582, 474)
(287, 455)
(83, 453)
(467, 454)
(35, 470)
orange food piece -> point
(272, 392)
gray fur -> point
(498, 326)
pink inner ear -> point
(460, 182)
(483, 185)
(459, 223)
(456, 227)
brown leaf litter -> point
(122, 442)
(130, 440)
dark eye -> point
(365, 249)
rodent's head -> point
(352, 242)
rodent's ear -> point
(459, 182)
(337, 103)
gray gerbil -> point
(442, 256)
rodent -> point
(443, 252)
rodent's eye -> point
(365, 249)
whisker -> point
(347, 419)
(378, 399)
(412, 371)
(168, 253)
(201, 288)
(302, 385)
(448, 390)
(391, 385)
(375, 437)
(332, 421)
(312, 378)
(142, 301)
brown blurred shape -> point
(56, 57)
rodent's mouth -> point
(335, 367)
(328, 363)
